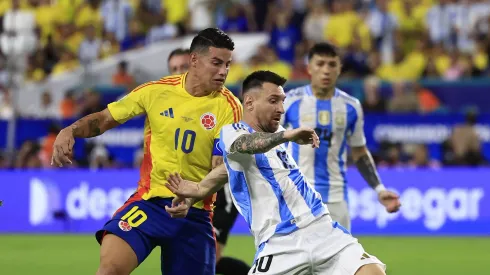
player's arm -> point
(260, 142)
(366, 165)
(96, 124)
(213, 182)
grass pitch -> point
(79, 255)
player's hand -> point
(182, 188)
(303, 135)
(63, 148)
(180, 207)
(390, 201)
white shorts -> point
(339, 211)
(322, 248)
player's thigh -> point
(193, 250)
(353, 260)
(281, 255)
(138, 225)
(116, 257)
(339, 211)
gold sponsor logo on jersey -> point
(324, 117)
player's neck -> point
(324, 94)
(248, 118)
(194, 87)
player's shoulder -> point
(348, 99)
(228, 102)
(298, 93)
(168, 82)
(234, 127)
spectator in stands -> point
(284, 37)
(6, 107)
(122, 77)
(235, 20)
(117, 15)
(4, 163)
(315, 22)
(90, 49)
(68, 106)
(135, 39)
(89, 14)
(440, 24)
(48, 109)
(383, 26)
(404, 99)
(91, 103)
(18, 36)
(28, 155)
(110, 45)
(47, 143)
(200, 14)
(373, 102)
(161, 31)
(420, 158)
(68, 62)
(355, 62)
(300, 70)
(391, 154)
(464, 145)
(428, 102)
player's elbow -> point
(107, 121)
(358, 152)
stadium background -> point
(419, 67)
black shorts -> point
(225, 214)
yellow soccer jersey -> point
(181, 131)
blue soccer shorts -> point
(188, 244)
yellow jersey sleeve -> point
(133, 104)
(232, 111)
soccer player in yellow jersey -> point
(184, 116)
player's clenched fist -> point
(63, 148)
(303, 135)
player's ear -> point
(193, 59)
(248, 102)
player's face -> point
(213, 67)
(178, 64)
(269, 107)
(324, 70)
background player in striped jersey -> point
(338, 120)
(184, 115)
(292, 229)
(225, 212)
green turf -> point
(77, 255)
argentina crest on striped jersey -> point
(338, 122)
(270, 180)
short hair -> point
(323, 49)
(211, 37)
(258, 78)
(178, 51)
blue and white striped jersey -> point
(338, 122)
(268, 189)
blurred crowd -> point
(399, 41)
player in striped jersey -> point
(292, 229)
(338, 120)
(184, 115)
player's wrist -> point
(380, 188)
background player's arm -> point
(366, 165)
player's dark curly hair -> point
(258, 78)
(211, 37)
(323, 49)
